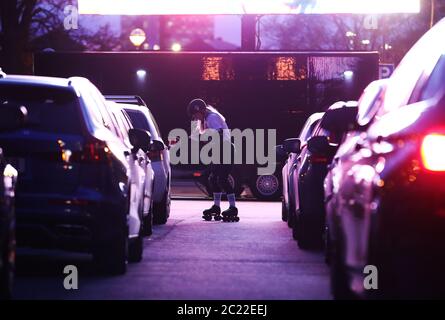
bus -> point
(257, 90)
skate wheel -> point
(207, 218)
(236, 219)
(218, 218)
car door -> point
(136, 163)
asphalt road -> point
(188, 258)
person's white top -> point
(216, 121)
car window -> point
(436, 82)
(102, 107)
(155, 124)
(140, 121)
(122, 127)
(422, 57)
(49, 109)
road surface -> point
(191, 259)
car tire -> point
(294, 228)
(8, 269)
(161, 210)
(136, 249)
(284, 213)
(111, 257)
(307, 237)
(147, 222)
(290, 216)
(266, 187)
(339, 279)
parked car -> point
(142, 118)
(11, 118)
(292, 147)
(368, 105)
(74, 187)
(386, 207)
(140, 169)
(309, 172)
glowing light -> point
(181, 7)
(350, 34)
(137, 37)
(366, 42)
(348, 74)
(388, 46)
(176, 47)
(141, 74)
(285, 68)
(156, 47)
(433, 152)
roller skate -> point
(230, 215)
(214, 212)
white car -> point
(142, 118)
(142, 175)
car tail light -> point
(318, 159)
(155, 155)
(92, 152)
(433, 152)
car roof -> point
(38, 80)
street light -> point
(141, 74)
(156, 47)
(137, 37)
(176, 47)
(366, 42)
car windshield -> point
(49, 109)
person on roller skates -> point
(208, 118)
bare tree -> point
(27, 25)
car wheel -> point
(7, 271)
(327, 246)
(339, 280)
(294, 227)
(307, 235)
(136, 245)
(148, 222)
(111, 257)
(161, 210)
(284, 213)
(136, 248)
(266, 187)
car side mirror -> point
(12, 116)
(292, 145)
(319, 145)
(140, 139)
(157, 145)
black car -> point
(386, 203)
(309, 172)
(74, 190)
(10, 119)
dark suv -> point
(74, 187)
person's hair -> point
(196, 106)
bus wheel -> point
(266, 187)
